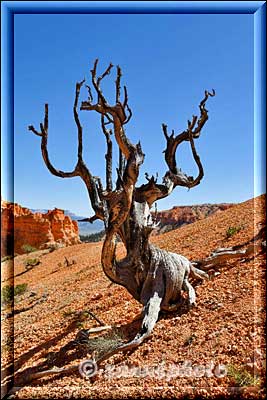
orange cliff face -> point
(35, 229)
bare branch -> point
(125, 102)
(204, 113)
(77, 120)
(118, 82)
(109, 120)
(197, 160)
(99, 79)
(80, 168)
(31, 128)
(91, 219)
(117, 111)
(90, 96)
(221, 256)
(108, 155)
(164, 128)
(175, 176)
(96, 82)
(120, 170)
(129, 116)
(44, 136)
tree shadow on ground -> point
(74, 350)
(68, 353)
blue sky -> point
(167, 62)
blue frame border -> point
(10, 8)
(133, 7)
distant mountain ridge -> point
(182, 215)
(168, 219)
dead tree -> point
(153, 276)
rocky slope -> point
(181, 215)
(168, 220)
(23, 227)
(225, 330)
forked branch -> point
(189, 134)
(175, 176)
(118, 114)
(108, 155)
(80, 169)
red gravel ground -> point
(224, 333)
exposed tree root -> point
(223, 255)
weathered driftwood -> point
(153, 276)
(223, 255)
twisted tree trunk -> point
(153, 276)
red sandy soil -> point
(226, 327)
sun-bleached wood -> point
(153, 276)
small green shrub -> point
(20, 289)
(103, 344)
(27, 248)
(232, 230)
(31, 262)
(9, 292)
(241, 377)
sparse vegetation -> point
(242, 377)
(104, 343)
(20, 289)
(27, 248)
(31, 262)
(232, 230)
(79, 325)
(9, 292)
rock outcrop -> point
(181, 215)
(21, 227)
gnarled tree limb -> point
(153, 276)
(80, 169)
(175, 176)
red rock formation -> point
(180, 215)
(37, 230)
